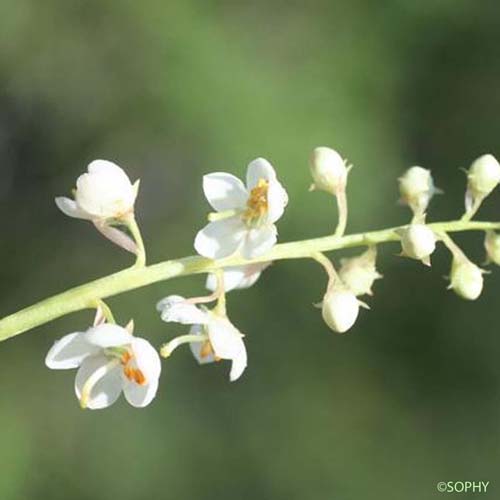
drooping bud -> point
(359, 273)
(418, 242)
(466, 279)
(482, 177)
(492, 245)
(340, 309)
(416, 188)
(328, 170)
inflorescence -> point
(238, 244)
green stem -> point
(136, 234)
(328, 266)
(106, 311)
(342, 213)
(84, 296)
(168, 348)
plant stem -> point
(84, 296)
(342, 213)
(328, 267)
(136, 234)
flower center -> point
(207, 350)
(257, 203)
(132, 373)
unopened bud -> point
(466, 279)
(416, 188)
(359, 273)
(483, 176)
(340, 309)
(418, 242)
(492, 245)
(328, 170)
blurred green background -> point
(172, 90)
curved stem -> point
(84, 296)
(342, 212)
(220, 308)
(454, 249)
(168, 348)
(136, 234)
(327, 266)
(103, 312)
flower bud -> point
(466, 279)
(328, 170)
(483, 176)
(492, 245)
(416, 188)
(418, 242)
(104, 192)
(359, 273)
(340, 309)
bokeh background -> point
(173, 90)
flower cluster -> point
(238, 241)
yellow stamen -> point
(257, 204)
(207, 350)
(133, 374)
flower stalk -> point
(133, 227)
(84, 296)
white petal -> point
(105, 191)
(107, 390)
(233, 276)
(277, 200)
(224, 191)
(259, 240)
(175, 308)
(69, 207)
(237, 277)
(258, 169)
(226, 340)
(196, 347)
(108, 335)
(239, 364)
(108, 168)
(250, 279)
(146, 358)
(221, 238)
(69, 352)
(168, 302)
(140, 395)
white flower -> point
(104, 192)
(359, 273)
(418, 242)
(483, 176)
(328, 170)
(417, 188)
(245, 215)
(237, 277)
(340, 309)
(109, 360)
(492, 245)
(212, 337)
(466, 279)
